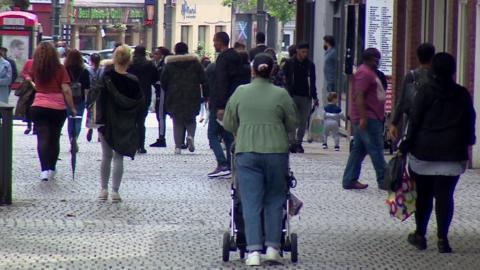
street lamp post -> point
(56, 18)
(260, 16)
(168, 23)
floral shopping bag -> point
(402, 202)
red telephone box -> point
(18, 33)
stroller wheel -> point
(226, 247)
(294, 247)
(242, 254)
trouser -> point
(75, 125)
(368, 141)
(441, 188)
(108, 154)
(141, 128)
(215, 133)
(263, 186)
(179, 128)
(49, 123)
(331, 126)
(160, 113)
(304, 106)
(4, 94)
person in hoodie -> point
(228, 77)
(183, 78)
(332, 115)
(147, 75)
(119, 106)
(441, 129)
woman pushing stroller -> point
(261, 115)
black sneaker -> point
(89, 135)
(444, 246)
(337, 148)
(27, 131)
(142, 150)
(300, 149)
(293, 149)
(159, 143)
(184, 146)
(324, 146)
(420, 242)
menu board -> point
(379, 31)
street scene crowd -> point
(258, 110)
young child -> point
(333, 115)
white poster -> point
(379, 31)
(18, 47)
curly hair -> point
(74, 61)
(45, 62)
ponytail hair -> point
(263, 65)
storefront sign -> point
(85, 15)
(189, 12)
(44, 1)
(379, 31)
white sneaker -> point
(44, 175)
(190, 144)
(253, 259)
(273, 255)
(52, 175)
(103, 196)
(178, 151)
(116, 197)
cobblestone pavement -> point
(173, 217)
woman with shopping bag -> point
(442, 127)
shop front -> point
(97, 28)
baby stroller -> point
(235, 239)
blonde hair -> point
(122, 55)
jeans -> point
(441, 188)
(49, 123)
(215, 133)
(263, 187)
(75, 122)
(304, 107)
(179, 127)
(141, 127)
(368, 141)
(161, 114)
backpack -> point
(76, 86)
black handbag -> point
(394, 171)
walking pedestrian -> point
(332, 116)
(260, 48)
(441, 129)
(5, 79)
(159, 61)
(13, 64)
(227, 79)
(368, 115)
(26, 74)
(330, 63)
(301, 80)
(119, 106)
(183, 79)
(261, 115)
(79, 83)
(48, 111)
(404, 96)
(95, 75)
(147, 75)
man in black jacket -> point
(159, 62)
(147, 75)
(261, 47)
(300, 78)
(228, 77)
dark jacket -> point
(442, 123)
(182, 79)
(257, 50)
(25, 94)
(83, 77)
(147, 76)
(404, 96)
(119, 105)
(210, 74)
(300, 78)
(229, 76)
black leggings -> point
(49, 123)
(441, 188)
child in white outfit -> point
(332, 116)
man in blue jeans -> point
(368, 115)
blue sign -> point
(189, 12)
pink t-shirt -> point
(50, 95)
(366, 81)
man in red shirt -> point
(368, 115)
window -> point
(185, 35)
(202, 36)
(463, 42)
(220, 28)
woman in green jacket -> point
(261, 115)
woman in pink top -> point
(49, 110)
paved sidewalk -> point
(173, 217)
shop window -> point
(186, 33)
(220, 28)
(202, 36)
(463, 43)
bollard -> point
(6, 122)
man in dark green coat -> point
(183, 80)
